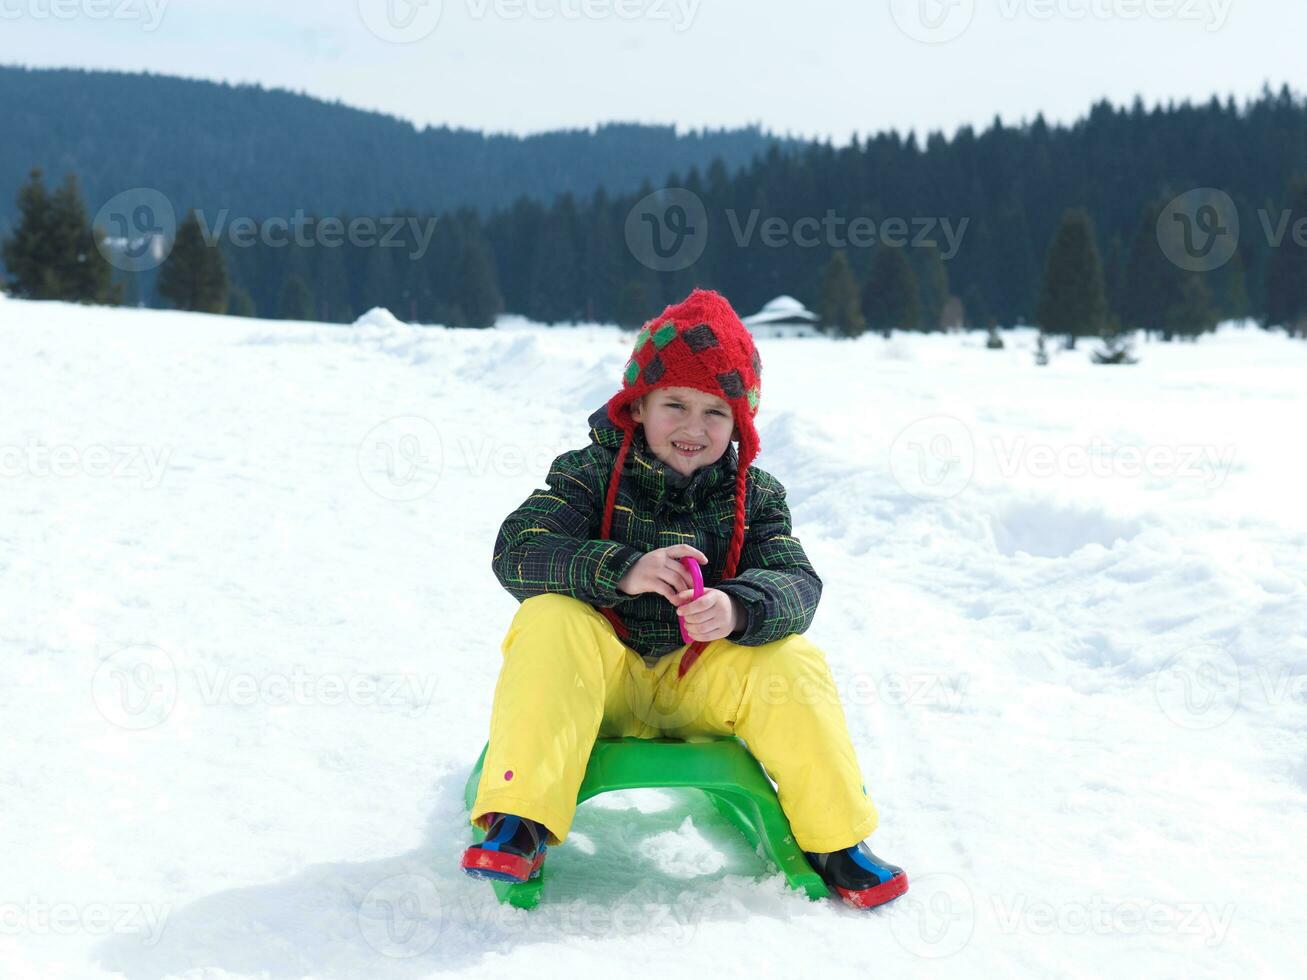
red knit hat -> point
(699, 343)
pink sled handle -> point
(692, 566)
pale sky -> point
(810, 68)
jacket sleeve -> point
(776, 583)
(545, 545)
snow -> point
(249, 637)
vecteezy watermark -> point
(139, 225)
(310, 688)
(99, 462)
(933, 21)
(1202, 686)
(1104, 917)
(306, 231)
(679, 13)
(667, 923)
(507, 459)
(1199, 687)
(140, 229)
(833, 230)
(1207, 463)
(400, 21)
(679, 708)
(941, 21)
(136, 687)
(139, 686)
(667, 230)
(37, 917)
(919, 688)
(401, 916)
(933, 458)
(408, 21)
(148, 12)
(1211, 14)
(401, 458)
(936, 917)
(1198, 231)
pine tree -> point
(31, 254)
(296, 302)
(194, 276)
(240, 302)
(1114, 272)
(932, 281)
(839, 306)
(975, 309)
(889, 298)
(478, 294)
(86, 276)
(633, 305)
(1072, 301)
(54, 252)
(1194, 313)
(1286, 279)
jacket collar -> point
(653, 478)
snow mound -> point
(381, 317)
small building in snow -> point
(784, 316)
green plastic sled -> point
(722, 767)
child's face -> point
(685, 417)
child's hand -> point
(661, 571)
(712, 616)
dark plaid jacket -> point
(551, 542)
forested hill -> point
(263, 152)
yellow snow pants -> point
(567, 679)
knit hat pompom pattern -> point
(698, 343)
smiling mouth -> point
(688, 448)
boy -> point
(595, 649)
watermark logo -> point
(1199, 688)
(667, 230)
(401, 916)
(148, 464)
(680, 13)
(139, 687)
(400, 21)
(148, 12)
(936, 917)
(402, 458)
(1103, 917)
(834, 230)
(668, 707)
(306, 231)
(37, 917)
(1212, 14)
(933, 21)
(933, 458)
(136, 688)
(139, 225)
(1208, 464)
(1198, 231)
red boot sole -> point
(869, 898)
(499, 866)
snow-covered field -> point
(249, 636)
